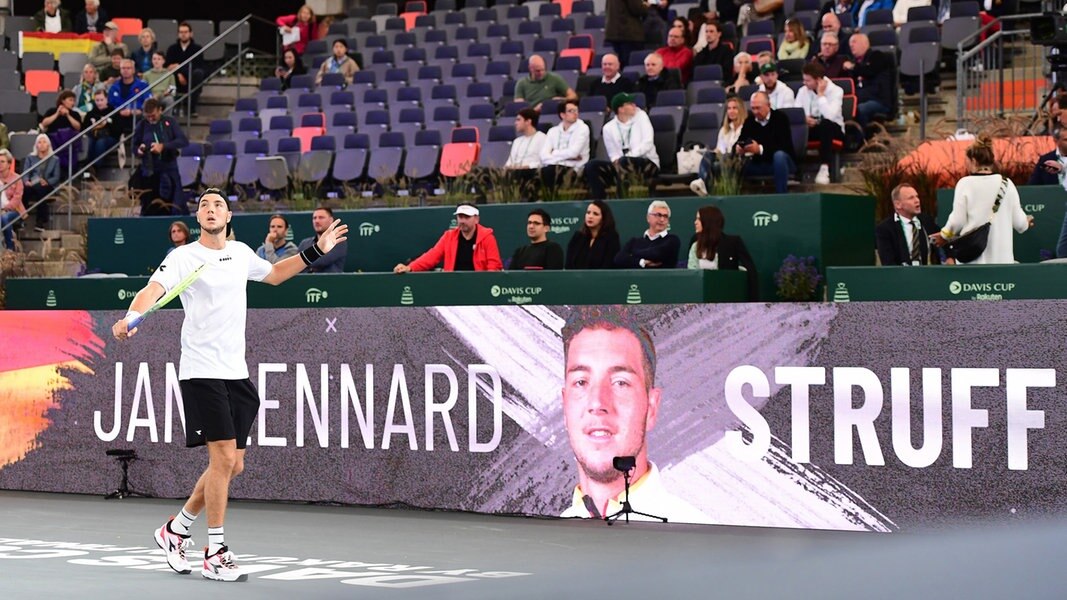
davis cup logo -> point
(955, 287)
(495, 291)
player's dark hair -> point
(546, 220)
(328, 210)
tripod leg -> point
(637, 512)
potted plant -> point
(798, 279)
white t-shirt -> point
(213, 333)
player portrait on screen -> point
(610, 403)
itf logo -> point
(763, 218)
(406, 297)
(368, 229)
(313, 295)
(634, 295)
(50, 302)
(119, 238)
(841, 293)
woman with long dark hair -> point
(711, 248)
(596, 243)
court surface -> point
(56, 545)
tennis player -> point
(220, 402)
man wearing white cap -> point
(468, 247)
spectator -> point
(469, 247)
(122, 93)
(840, 7)
(696, 30)
(763, 58)
(291, 65)
(865, 8)
(142, 56)
(655, 23)
(525, 157)
(334, 260)
(729, 134)
(624, 28)
(92, 19)
(111, 73)
(5, 138)
(742, 72)
(628, 140)
(275, 248)
(103, 132)
(52, 18)
(540, 253)
(157, 141)
(62, 115)
(596, 243)
(88, 85)
(611, 81)
(566, 149)
(43, 177)
(1051, 168)
(180, 51)
(767, 141)
(656, 79)
(304, 21)
(902, 238)
(677, 54)
(901, 8)
(831, 23)
(713, 249)
(715, 52)
(821, 100)
(832, 61)
(657, 248)
(796, 44)
(873, 73)
(748, 14)
(781, 95)
(541, 85)
(165, 89)
(340, 62)
(179, 235)
(980, 195)
(100, 55)
(11, 207)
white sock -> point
(215, 540)
(182, 522)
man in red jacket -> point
(468, 247)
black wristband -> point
(311, 254)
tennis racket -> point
(178, 289)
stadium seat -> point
(461, 153)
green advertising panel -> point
(1045, 202)
(835, 229)
(974, 282)
(679, 286)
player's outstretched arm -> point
(334, 234)
(144, 300)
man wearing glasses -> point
(657, 248)
(566, 149)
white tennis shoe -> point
(174, 546)
(221, 567)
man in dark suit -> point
(612, 82)
(903, 238)
(767, 141)
(656, 79)
(873, 73)
(1051, 166)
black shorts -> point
(218, 409)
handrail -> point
(147, 91)
(983, 30)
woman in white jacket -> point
(973, 205)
